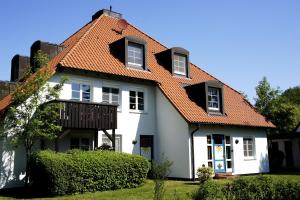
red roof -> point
(88, 49)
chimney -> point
(19, 66)
(48, 48)
(6, 88)
(106, 12)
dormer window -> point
(180, 63)
(135, 55)
(213, 99)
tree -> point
(32, 116)
(282, 110)
(265, 95)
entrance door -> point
(219, 153)
(146, 146)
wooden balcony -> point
(85, 115)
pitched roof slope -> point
(89, 49)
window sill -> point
(249, 158)
(137, 112)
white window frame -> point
(119, 136)
(176, 55)
(226, 160)
(247, 157)
(218, 101)
(133, 64)
(108, 85)
(80, 83)
(136, 110)
(212, 151)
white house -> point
(166, 105)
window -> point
(135, 55)
(80, 143)
(209, 152)
(111, 95)
(248, 147)
(81, 92)
(228, 152)
(213, 96)
(179, 64)
(136, 100)
(118, 142)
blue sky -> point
(238, 42)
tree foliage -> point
(282, 109)
(30, 117)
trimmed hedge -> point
(82, 171)
(260, 187)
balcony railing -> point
(76, 114)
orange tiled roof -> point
(88, 49)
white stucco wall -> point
(130, 124)
(259, 164)
(173, 138)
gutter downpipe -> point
(193, 153)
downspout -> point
(192, 153)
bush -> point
(208, 190)
(204, 174)
(81, 171)
(250, 188)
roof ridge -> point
(82, 37)
(75, 33)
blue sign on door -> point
(219, 153)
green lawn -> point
(178, 189)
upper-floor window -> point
(179, 64)
(136, 100)
(135, 55)
(111, 95)
(213, 102)
(248, 147)
(81, 92)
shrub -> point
(81, 171)
(250, 188)
(208, 190)
(205, 173)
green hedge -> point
(249, 188)
(81, 171)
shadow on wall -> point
(264, 163)
(12, 165)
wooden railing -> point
(76, 114)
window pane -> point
(75, 87)
(227, 139)
(210, 164)
(132, 93)
(75, 95)
(209, 139)
(228, 152)
(74, 143)
(229, 164)
(141, 107)
(209, 153)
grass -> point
(178, 189)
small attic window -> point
(135, 55)
(213, 99)
(180, 64)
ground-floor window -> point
(80, 143)
(248, 143)
(118, 142)
(209, 152)
(228, 152)
(146, 146)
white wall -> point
(259, 164)
(173, 137)
(130, 124)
